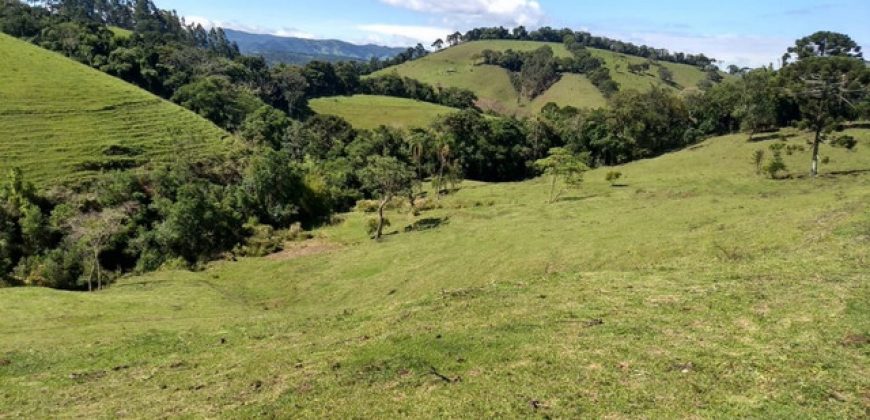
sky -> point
(741, 32)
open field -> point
(59, 118)
(455, 67)
(371, 111)
(697, 287)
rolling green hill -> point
(456, 67)
(371, 111)
(62, 121)
(698, 288)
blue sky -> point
(740, 32)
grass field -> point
(695, 289)
(58, 117)
(455, 67)
(369, 111)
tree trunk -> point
(815, 168)
(97, 268)
(553, 190)
(380, 231)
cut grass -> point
(697, 289)
(57, 116)
(456, 67)
(370, 111)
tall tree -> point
(828, 91)
(825, 44)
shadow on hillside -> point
(771, 136)
(427, 224)
(570, 199)
(832, 174)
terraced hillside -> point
(456, 67)
(696, 288)
(371, 111)
(62, 121)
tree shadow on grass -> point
(427, 224)
(771, 136)
(576, 198)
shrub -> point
(613, 176)
(846, 142)
(372, 225)
(775, 165)
(758, 159)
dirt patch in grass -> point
(293, 250)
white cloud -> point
(254, 29)
(741, 50)
(403, 35)
(490, 12)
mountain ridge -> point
(293, 50)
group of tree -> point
(580, 38)
(533, 72)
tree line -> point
(581, 38)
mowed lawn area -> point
(62, 121)
(372, 111)
(694, 287)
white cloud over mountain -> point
(403, 35)
(491, 12)
(254, 29)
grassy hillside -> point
(696, 288)
(59, 117)
(455, 67)
(370, 111)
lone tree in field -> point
(564, 167)
(438, 44)
(828, 91)
(386, 177)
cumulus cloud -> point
(491, 12)
(403, 35)
(254, 29)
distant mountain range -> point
(278, 49)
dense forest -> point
(293, 170)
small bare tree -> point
(94, 232)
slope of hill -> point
(279, 49)
(698, 288)
(63, 121)
(456, 67)
(371, 111)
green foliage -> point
(265, 126)
(776, 164)
(218, 100)
(825, 44)
(613, 177)
(758, 159)
(845, 141)
(374, 223)
(273, 190)
(562, 166)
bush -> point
(613, 176)
(372, 225)
(758, 159)
(367, 206)
(776, 164)
(846, 142)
